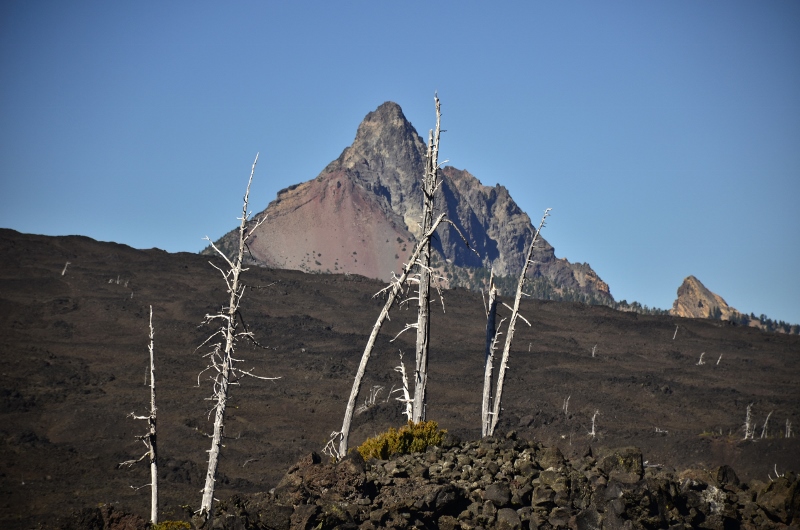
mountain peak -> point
(387, 111)
(695, 300)
(361, 215)
(387, 158)
(386, 147)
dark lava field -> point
(74, 356)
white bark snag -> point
(764, 429)
(149, 439)
(491, 331)
(221, 358)
(511, 323)
(593, 432)
(429, 185)
(394, 289)
(748, 424)
(152, 435)
(406, 399)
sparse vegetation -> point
(533, 401)
(537, 286)
(766, 323)
(172, 525)
(411, 438)
(543, 288)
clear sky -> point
(664, 135)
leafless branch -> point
(330, 448)
(463, 238)
(518, 316)
(130, 463)
(406, 328)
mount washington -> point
(361, 215)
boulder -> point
(624, 465)
(498, 493)
(780, 499)
(507, 519)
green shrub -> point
(172, 525)
(411, 438)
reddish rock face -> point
(361, 215)
(330, 224)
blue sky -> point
(664, 135)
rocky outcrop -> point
(361, 215)
(507, 483)
(696, 301)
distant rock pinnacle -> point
(696, 301)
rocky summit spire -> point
(387, 157)
(361, 215)
(387, 142)
(695, 300)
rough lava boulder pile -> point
(508, 483)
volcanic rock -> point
(696, 301)
(75, 348)
(361, 215)
(587, 494)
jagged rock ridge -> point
(360, 215)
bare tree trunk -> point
(423, 335)
(221, 357)
(491, 335)
(429, 187)
(216, 441)
(764, 429)
(152, 435)
(394, 289)
(491, 330)
(593, 432)
(511, 325)
(748, 424)
(407, 401)
(223, 380)
(149, 439)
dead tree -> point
(764, 429)
(748, 424)
(149, 439)
(394, 288)
(593, 432)
(420, 262)
(491, 343)
(511, 325)
(406, 400)
(430, 184)
(221, 362)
